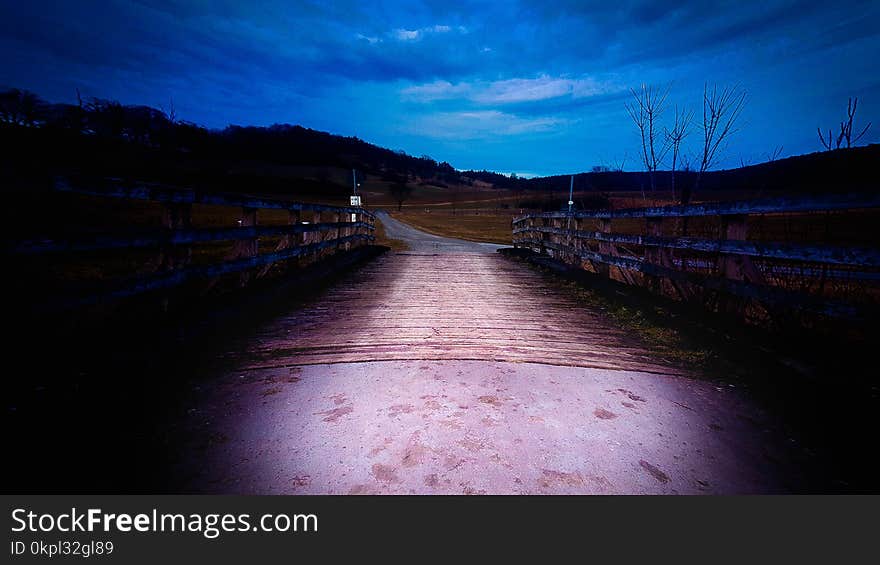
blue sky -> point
(526, 87)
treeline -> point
(74, 134)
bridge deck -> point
(447, 306)
(449, 369)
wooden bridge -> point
(449, 368)
(446, 299)
(311, 231)
(727, 266)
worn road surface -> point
(449, 369)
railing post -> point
(543, 236)
(288, 241)
(337, 218)
(656, 255)
(243, 248)
(605, 248)
(362, 217)
(175, 216)
(317, 236)
(736, 267)
(576, 242)
(294, 217)
(353, 217)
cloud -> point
(480, 124)
(407, 35)
(542, 88)
(402, 34)
(369, 39)
(438, 90)
(510, 91)
(456, 69)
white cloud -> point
(541, 88)
(407, 34)
(369, 39)
(438, 90)
(402, 34)
(479, 124)
(510, 91)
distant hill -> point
(108, 139)
(842, 170)
(101, 138)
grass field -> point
(484, 226)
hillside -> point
(100, 139)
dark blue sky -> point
(526, 87)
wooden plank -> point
(854, 256)
(850, 201)
(178, 236)
(764, 293)
(177, 277)
(446, 306)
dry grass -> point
(483, 226)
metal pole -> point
(570, 204)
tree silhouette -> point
(846, 129)
(400, 191)
(645, 113)
(721, 110)
(680, 130)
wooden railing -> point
(743, 269)
(312, 231)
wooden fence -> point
(733, 267)
(312, 231)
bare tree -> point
(829, 143)
(400, 191)
(775, 155)
(686, 163)
(846, 129)
(645, 113)
(680, 129)
(171, 114)
(721, 110)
